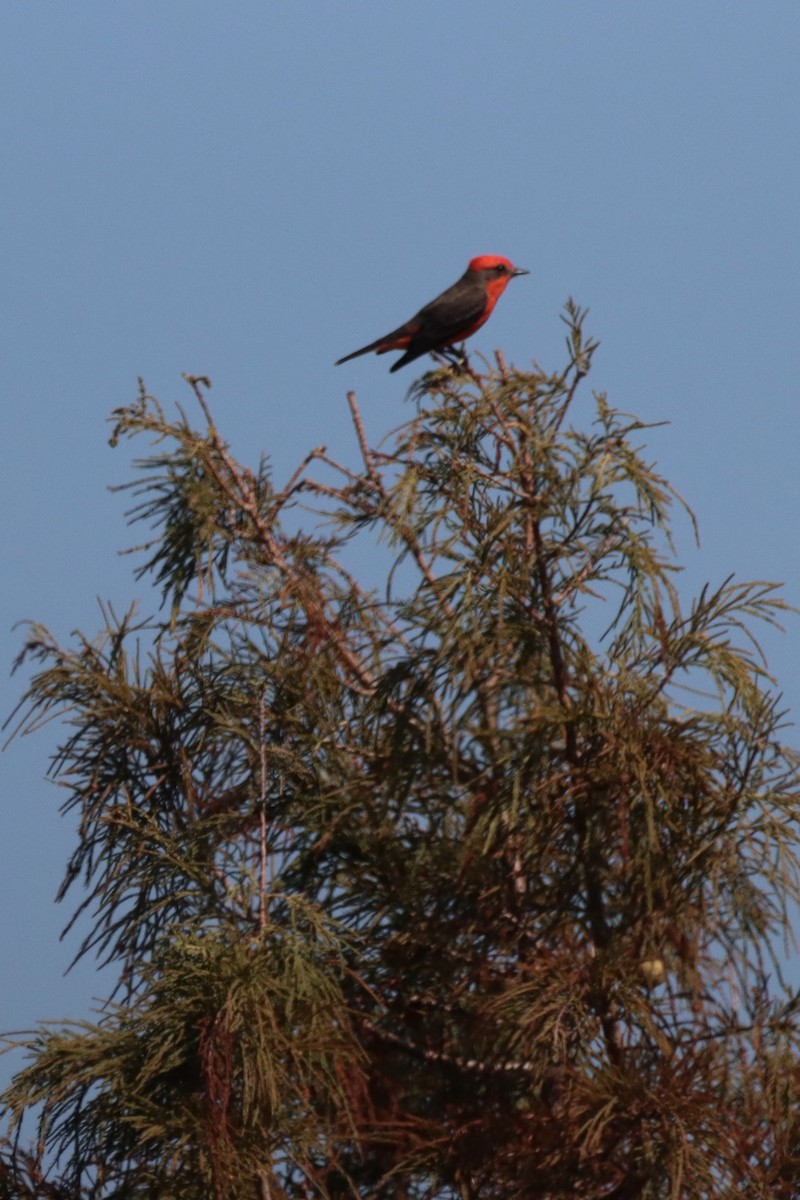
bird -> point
(451, 317)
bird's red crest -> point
(484, 262)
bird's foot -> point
(454, 356)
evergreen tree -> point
(474, 885)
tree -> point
(471, 886)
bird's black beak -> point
(519, 271)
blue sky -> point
(250, 190)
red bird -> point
(451, 317)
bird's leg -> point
(454, 356)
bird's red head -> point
(497, 264)
(485, 262)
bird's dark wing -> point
(443, 320)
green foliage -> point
(468, 887)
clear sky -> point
(250, 190)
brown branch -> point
(241, 494)
(294, 482)
(362, 440)
(263, 902)
(474, 1065)
(594, 891)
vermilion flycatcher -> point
(451, 317)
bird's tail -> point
(378, 346)
(398, 339)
